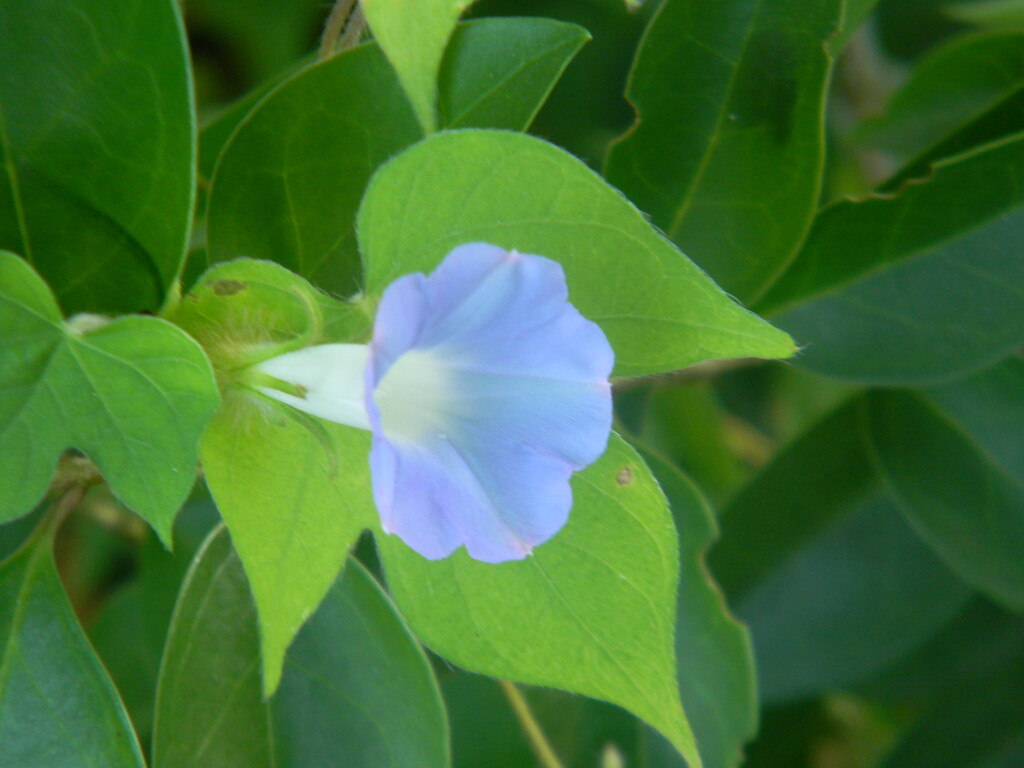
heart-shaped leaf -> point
(591, 611)
(414, 36)
(916, 287)
(357, 689)
(97, 133)
(58, 708)
(703, 145)
(133, 394)
(524, 194)
(293, 491)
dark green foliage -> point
(836, 580)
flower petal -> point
(486, 390)
(500, 500)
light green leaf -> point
(703, 145)
(591, 611)
(915, 287)
(133, 394)
(357, 690)
(244, 311)
(290, 180)
(58, 708)
(659, 311)
(295, 495)
(716, 665)
(964, 498)
(293, 490)
(497, 73)
(414, 36)
(97, 134)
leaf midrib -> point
(932, 249)
(684, 205)
(12, 176)
(19, 611)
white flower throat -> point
(412, 398)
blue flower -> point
(485, 389)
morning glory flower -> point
(484, 388)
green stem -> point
(531, 728)
(354, 30)
(334, 29)
(70, 498)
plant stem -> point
(335, 34)
(70, 498)
(354, 30)
(531, 728)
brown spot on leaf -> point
(227, 287)
(624, 476)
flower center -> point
(413, 397)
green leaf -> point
(591, 611)
(357, 690)
(981, 636)
(955, 490)
(861, 596)
(98, 138)
(133, 394)
(969, 680)
(529, 54)
(293, 490)
(685, 425)
(990, 406)
(1003, 119)
(809, 550)
(977, 726)
(521, 193)
(914, 287)
(244, 311)
(58, 708)
(791, 500)
(218, 130)
(702, 147)
(250, 41)
(946, 90)
(295, 495)
(988, 13)
(290, 180)
(716, 665)
(855, 13)
(486, 732)
(131, 627)
(414, 36)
